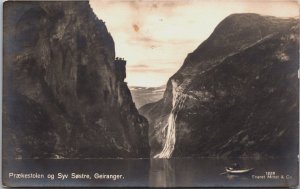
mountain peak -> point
(232, 91)
(236, 32)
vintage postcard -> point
(150, 93)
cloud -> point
(138, 66)
(156, 36)
(146, 68)
(144, 41)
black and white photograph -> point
(150, 93)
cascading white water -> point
(177, 103)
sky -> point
(155, 36)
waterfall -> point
(177, 103)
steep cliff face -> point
(64, 92)
(235, 95)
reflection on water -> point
(184, 172)
(162, 173)
(207, 172)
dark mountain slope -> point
(235, 95)
(64, 93)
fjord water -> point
(185, 172)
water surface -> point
(187, 172)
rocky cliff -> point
(235, 95)
(64, 93)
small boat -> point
(230, 170)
